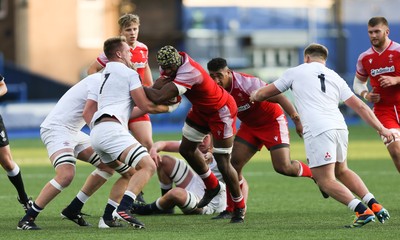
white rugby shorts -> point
(328, 147)
(59, 138)
(110, 139)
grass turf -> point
(279, 207)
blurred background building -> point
(47, 45)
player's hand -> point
(155, 156)
(372, 96)
(387, 135)
(208, 157)
(387, 81)
(299, 128)
(173, 107)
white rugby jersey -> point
(68, 110)
(317, 91)
(114, 97)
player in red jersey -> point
(262, 124)
(129, 27)
(381, 64)
(213, 110)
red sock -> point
(306, 170)
(209, 179)
(239, 202)
(229, 203)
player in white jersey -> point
(65, 142)
(189, 188)
(119, 92)
(317, 91)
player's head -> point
(116, 49)
(378, 31)
(315, 51)
(169, 59)
(219, 71)
(129, 27)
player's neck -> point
(383, 47)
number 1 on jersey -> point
(322, 80)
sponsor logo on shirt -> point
(375, 72)
(243, 107)
(139, 65)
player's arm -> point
(3, 86)
(94, 67)
(360, 85)
(89, 110)
(368, 116)
(166, 146)
(139, 97)
(147, 78)
(290, 110)
(264, 93)
(168, 91)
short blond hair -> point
(126, 19)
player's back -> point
(69, 108)
(317, 91)
(204, 94)
(114, 94)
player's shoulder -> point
(366, 53)
(141, 45)
(395, 46)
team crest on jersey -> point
(328, 156)
(141, 52)
(276, 138)
(66, 143)
(370, 60)
(390, 58)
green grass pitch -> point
(279, 207)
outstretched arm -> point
(264, 93)
(290, 110)
(368, 116)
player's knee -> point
(190, 204)
(106, 174)
(64, 178)
(148, 164)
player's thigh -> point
(326, 148)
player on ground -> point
(262, 124)
(318, 91)
(189, 187)
(381, 64)
(213, 110)
(7, 162)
